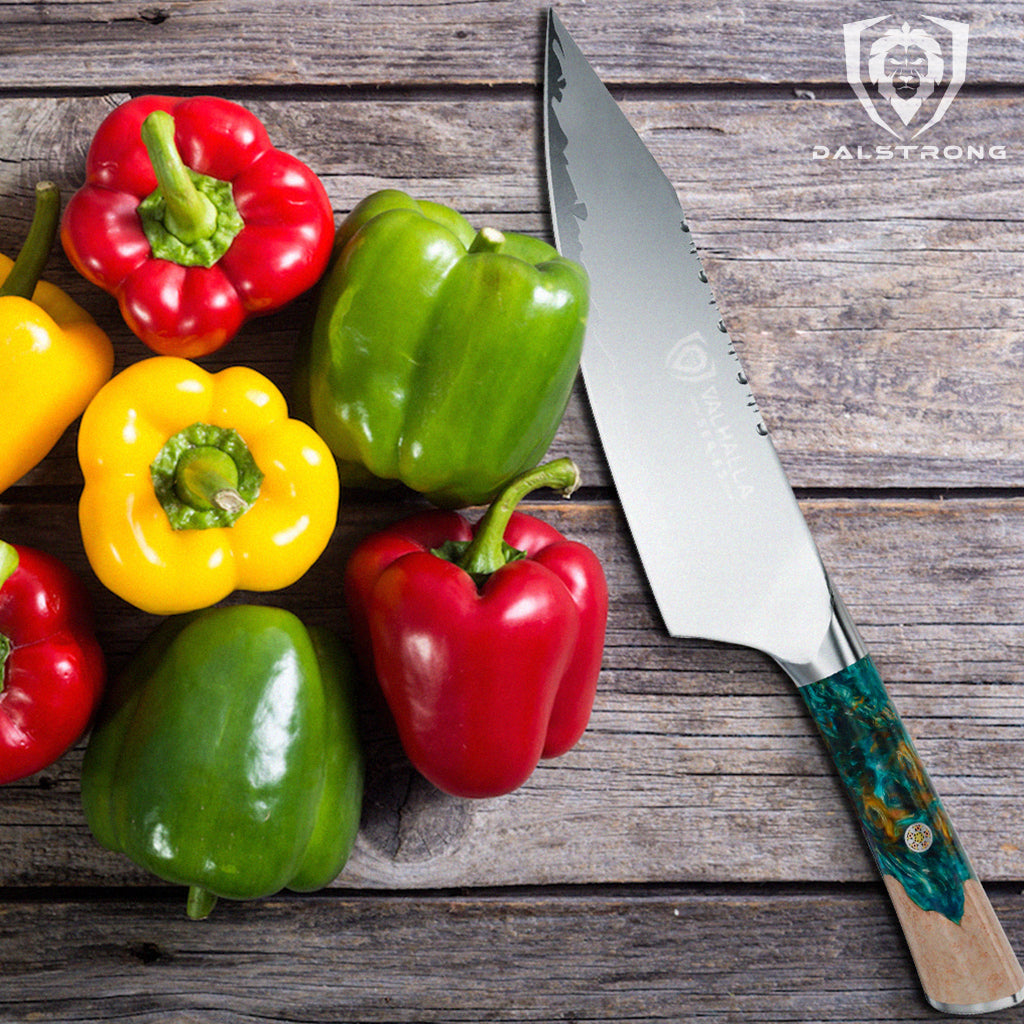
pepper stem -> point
(485, 553)
(8, 564)
(200, 902)
(35, 251)
(190, 216)
(207, 478)
(5, 653)
(487, 240)
(8, 561)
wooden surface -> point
(693, 858)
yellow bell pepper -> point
(53, 356)
(198, 484)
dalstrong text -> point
(910, 151)
(905, 76)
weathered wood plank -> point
(629, 804)
(873, 369)
(729, 956)
(332, 42)
(700, 763)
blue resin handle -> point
(906, 827)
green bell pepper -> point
(441, 357)
(226, 756)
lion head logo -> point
(907, 65)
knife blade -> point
(720, 535)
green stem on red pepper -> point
(35, 251)
(189, 215)
(8, 564)
(191, 218)
(5, 651)
(205, 477)
(8, 561)
(487, 551)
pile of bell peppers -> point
(438, 357)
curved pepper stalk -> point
(488, 551)
(35, 251)
(190, 219)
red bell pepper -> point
(52, 669)
(194, 221)
(486, 640)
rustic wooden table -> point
(693, 858)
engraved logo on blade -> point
(714, 407)
(725, 453)
(688, 359)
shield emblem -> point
(907, 66)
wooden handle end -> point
(965, 968)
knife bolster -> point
(967, 967)
(841, 647)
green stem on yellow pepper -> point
(487, 552)
(206, 478)
(35, 251)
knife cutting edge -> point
(684, 440)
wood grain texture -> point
(431, 43)
(715, 955)
(878, 307)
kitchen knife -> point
(723, 543)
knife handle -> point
(964, 961)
